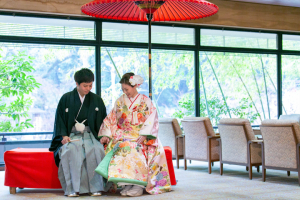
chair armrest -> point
(257, 131)
(179, 136)
(179, 145)
(255, 141)
(216, 136)
(298, 153)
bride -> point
(134, 157)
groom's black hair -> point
(84, 75)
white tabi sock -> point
(135, 191)
(126, 188)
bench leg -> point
(12, 190)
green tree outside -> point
(16, 84)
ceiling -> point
(292, 3)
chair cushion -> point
(166, 133)
(238, 121)
(165, 120)
(195, 139)
(290, 117)
(196, 132)
(279, 143)
(284, 122)
(207, 122)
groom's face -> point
(84, 88)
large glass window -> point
(222, 38)
(46, 28)
(173, 35)
(290, 84)
(238, 85)
(124, 32)
(114, 63)
(173, 83)
(291, 42)
(172, 80)
(52, 67)
(33, 77)
(139, 33)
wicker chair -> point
(280, 146)
(200, 141)
(170, 134)
(238, 144)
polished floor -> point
(195, 183)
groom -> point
(75, 143)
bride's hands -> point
(141, 139)
(104, 140)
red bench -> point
(35, 168)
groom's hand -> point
(65, 140)
(104, 140)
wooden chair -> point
(170, 134)
(238, 144)
(280, 146)
(200, 141)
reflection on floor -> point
(196, 183)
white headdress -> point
(136, 80)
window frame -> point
(98, 43)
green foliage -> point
(217, 109)
(186, 107)
(16, 84)
(245, 110)
(231, 84)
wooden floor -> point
(195, 183)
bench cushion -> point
(30, 168)
(35, 168)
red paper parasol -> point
(150, 10)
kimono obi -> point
(86, 129)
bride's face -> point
(129, 91)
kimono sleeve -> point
(60, 126)
(109, 125)
(101, 115)
(150, 126)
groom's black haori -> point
(93, 109)
(66, 112)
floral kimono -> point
(127, 162)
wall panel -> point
(231, 13)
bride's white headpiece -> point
(136, 80)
